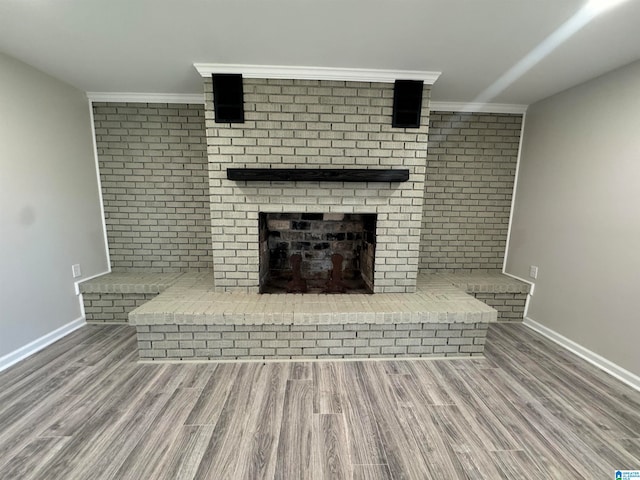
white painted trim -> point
(478, 107)
(527, 301)
(523, 280)
(316, 73)
(104, 220)
(532, 287)
(40, 343)
(93, 276)
(513, 203)
(513, 195)
(602, 363)
(195, 98)
(76, 287)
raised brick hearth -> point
(191, 321)
(188, 320)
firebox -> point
(317, 252)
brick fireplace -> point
(163, 195)
(315, 124)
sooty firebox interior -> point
(317, 252)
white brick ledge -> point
(130, 282)
(192, 301)
(479, 282)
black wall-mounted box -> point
(407, 104)
(228, 98)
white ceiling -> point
(150, 46)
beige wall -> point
(50, 214)
(577, 214)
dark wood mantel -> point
(319, 174)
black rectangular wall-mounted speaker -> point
(407, 103)
(228, 100)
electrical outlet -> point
(75, 270)
(533, 271)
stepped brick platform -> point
(506, 294)
(480, 282)
(131, 282)
(180, 317)
(190, 321)
(192, 300)
(109, 298)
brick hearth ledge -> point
(188, 320)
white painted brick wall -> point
(303, 124)
(153, 172)
(471, 167)
(233, 342)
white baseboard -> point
(602, 363)
(40, 343)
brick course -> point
(257, 342)
(112, 307)
(153, 171)
(510, 306)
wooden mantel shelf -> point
(318, 174)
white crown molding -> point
(195, 98)
(602, 363)
(317, 73)
(40, 343)
(477, 107)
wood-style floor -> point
(85, 409)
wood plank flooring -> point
(84, 408)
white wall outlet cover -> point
(75, 269)
(533, 271)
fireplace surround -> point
(302, 124)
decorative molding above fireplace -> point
(319, 174)
(316, 73)
(198, 98)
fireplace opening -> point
(317, 252)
